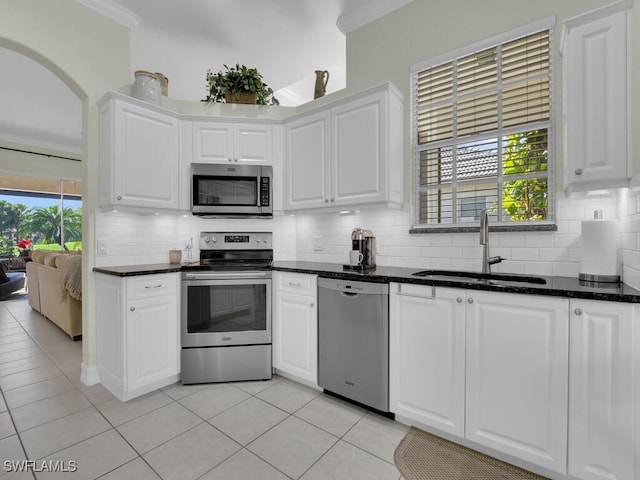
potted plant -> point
(239, 84)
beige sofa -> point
(50, 291)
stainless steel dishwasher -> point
(353, 340)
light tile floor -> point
(267, 430)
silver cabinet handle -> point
(578, 171)
(326, 200)
(119, 197)
(312, 304)
(235, 160)
(153, 286)
(291, 284)
(132, 309)
(469, 300)
(333, 200)
(459, 300)
(578, 311)
(230, 160)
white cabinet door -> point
(307, 163)
(215, 142)
(152, 341)
(137, 144)
(596, 101)
(253, 143)
(426, 356)
(605, 349)
(212, 142)
(295, 326)
(517, 375)
(358, 161)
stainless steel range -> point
(226, 309)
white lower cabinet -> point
(604, 409)
(517, 351)
(137, 332)
(295, 326)
(426, 356)
(488, 368)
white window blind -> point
(482, 128)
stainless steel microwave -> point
(231, 190)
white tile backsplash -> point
(140, 239)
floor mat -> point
(423, 456)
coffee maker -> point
(364, 241)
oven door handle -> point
(224, 276)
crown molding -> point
(367, 12)
(114, 11)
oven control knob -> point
(214, 239)
(257, 240)
(207, 239)
(265, 240)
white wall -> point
(90, 54)
(132, 239)
(541, 253)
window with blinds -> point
(482, 126)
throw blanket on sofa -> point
(71, 267)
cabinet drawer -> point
(151, 286)
(297, 283)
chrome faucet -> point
(487, 261)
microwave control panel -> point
(265, 190)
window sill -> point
(541, 227)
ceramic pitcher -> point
(147, 87)
(321, 83)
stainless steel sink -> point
(475, 277)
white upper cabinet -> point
(215, 142)
(596, 99)
(138, 142)
(605, 352)
(347, 154)
(307, 166)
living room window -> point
(482, 133)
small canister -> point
(147, 87)
(175, 256)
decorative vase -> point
(241, 97)
(321, 83)
(164, 83)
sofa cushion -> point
(50, 259)
(38, 256)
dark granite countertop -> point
(568, 287)
(133, 270)
(555, 286)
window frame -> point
(549, 224)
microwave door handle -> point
(258, 187)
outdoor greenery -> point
(40, 225)
(525, 153)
